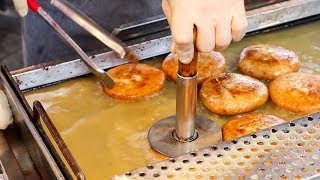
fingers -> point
(173, 48)
(205, 38)
(239, 25)
(21, 7)
(182, 35)
(167, 10)
(223, 35)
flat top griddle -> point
(266, 17)
(101, 117)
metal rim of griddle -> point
(287, 151)
(161, 136)
(38, 144)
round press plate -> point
(161, 138)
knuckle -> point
(205, 48)
(181, 39)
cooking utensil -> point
(95, 29)
(102, 76)
(186, 131)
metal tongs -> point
(88, 24)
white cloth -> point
(217, 23)
(5, 111)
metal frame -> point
(287, 151)
(265, 17)
(39, 112)
(27, 132)
(30, 147)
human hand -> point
(21, 7)
(217, 23)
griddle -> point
(148, 44)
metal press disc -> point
(161, 136)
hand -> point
(217, 23)
(21, 7)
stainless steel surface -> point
(186, 103)
(102, 76)
(40, 112)
(258, 19)
(275, 14)
(161, 136)
(8, 159)
(24, 166)
(92, 27)
(252, 4)
(29, 137)
(3, 174)
(287, 151)
(280, 13)
(45, 74)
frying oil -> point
(109, 137)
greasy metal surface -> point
(279, 13)
(159, 23)
(287, 151)
(76, 106)
(8, 159)
(25, 166)
(40, 112)
(258, 19)
(186, 105)
(161, 136)
(92, 27)
(252, 4)
(46, 166)
(3, 174)
(99, 73)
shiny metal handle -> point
(106, 80)
(186, 100)
(91, 26)
(186, 103)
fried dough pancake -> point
(134, 81)
(247, 124)
(208, 65)
(296, 92)
(230, 94)
(267, 62)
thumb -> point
(21, 7)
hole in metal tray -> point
(286, 151)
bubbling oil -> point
(109, 137)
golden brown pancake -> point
(134, 81)
(208, 65)
(296, 92)
(248, 123)
(230, 94)
(267, 62)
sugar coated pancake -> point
(134, 81)
(296, 92)
(248, 123)
(230, 94)
(267, 62)
(208, 65)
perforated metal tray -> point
(287, 151)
